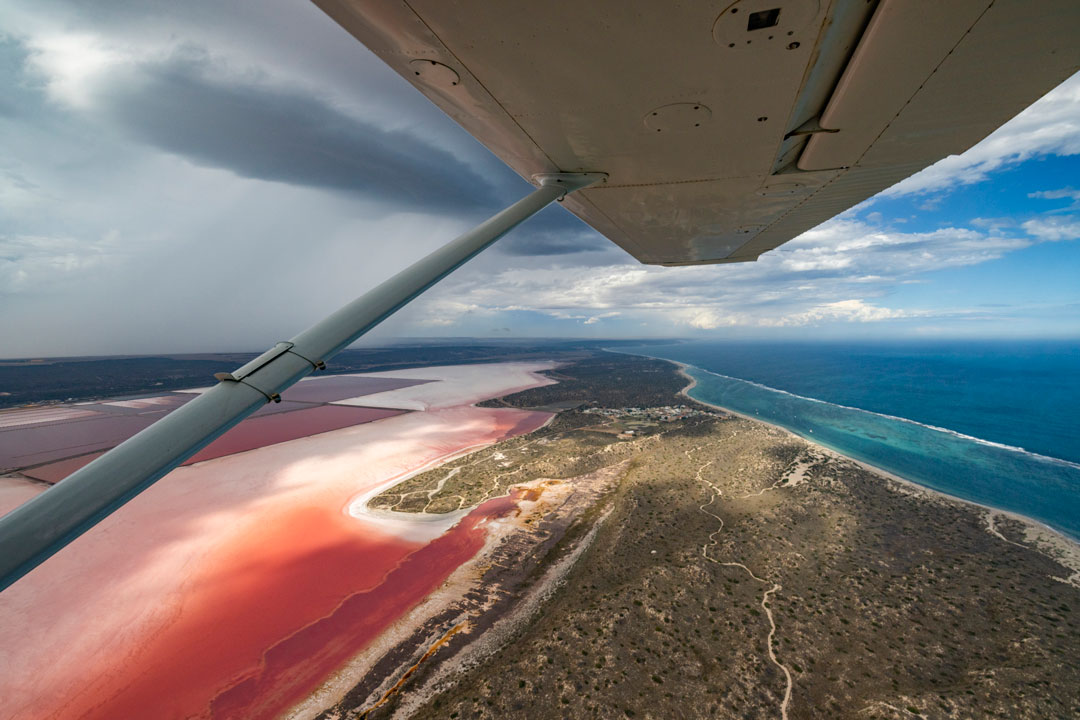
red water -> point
(289, 592)
(309, 563)
(294, 667)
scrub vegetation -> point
(740, 572)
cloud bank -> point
(216, 176)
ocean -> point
(997, 423)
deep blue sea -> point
(997, 423)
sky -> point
(203, 176)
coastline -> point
(485, 608)
(1038, 535)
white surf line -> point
(716, 493)
(947, 431)
(936, 428)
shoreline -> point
(936, 428)
(1067, 547)
(684, 528)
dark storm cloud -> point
(283, 135)
(543, 244)
(17, 95)
(553, 232)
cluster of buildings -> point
(666, 413)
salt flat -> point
(455, 385)
(181, 592)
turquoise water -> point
(910, 410)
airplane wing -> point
(687, 132)
(725, 128)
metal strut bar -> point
(37, 529)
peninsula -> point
(672, 559)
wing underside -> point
(726, 129)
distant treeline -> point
(603, 379)
(64, 380)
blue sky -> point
(193, 177)
(1033, 290)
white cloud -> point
(70, 175)
(602, 316)
(1065, 193)
(72, 65)
(843, 311)
(836, 273)
(1050, 126)
(706, 318)
(842, 272)
(1054, 228)
(39, 263)
(1060, 194)
(450, 312)
(854, 248)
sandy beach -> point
(1042, 537)
(261, 584)
(741, 566)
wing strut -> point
(35, 530)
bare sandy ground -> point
(458, 385)
(83, 626)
